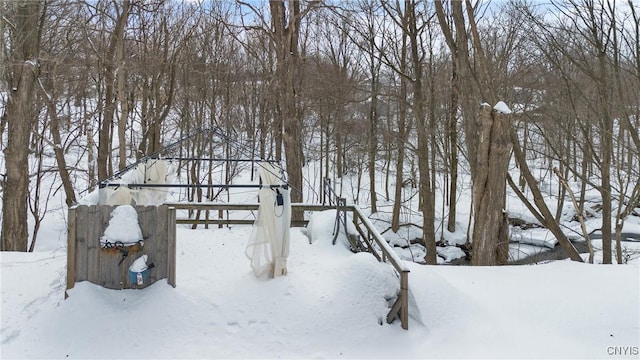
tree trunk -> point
(54, 124)
(490, 233)
(23, 74)
(427, 201)
(124, 107)
(337, 131)
(606, 149)
(545, 216)
(285, 32)
(403, 133)
(373, 140)
(106, 127)
(88, 128)
(452, 127)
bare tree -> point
(22, 73)
(110, 68)
(582, 43)
(286, 17)
(488, 141)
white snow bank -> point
(322, 228)
(459, 237)
(536, 236)
(321, 225)
(557, 310)
(328, 306)
(450, 253)
(414, 253)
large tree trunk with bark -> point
(490, 231)
(21, 117)
(285, 31)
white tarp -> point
(152, 171)
(268, 246)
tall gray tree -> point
(25, 18)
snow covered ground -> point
(332, 304)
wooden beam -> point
(71, 250)
(171, 251)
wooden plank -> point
(71, 249)
(97, 221)
(219, 222)
(161, 236)
(250, 207)
(109, 268)
(134, 252)
(88, 261)
(213, 206)
(147, 218)
(394, 258)
(171, 246)
(393, 313)
(111, 273)
(404, 292)
(82, 234)
(301, 223)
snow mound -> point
(123, 226)
(379, 283)
(450, 253)
(501, 107)
(321, 228)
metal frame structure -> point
(111, 181)
(369, 238)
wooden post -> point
(81, 231)
(171, 248)
(404, 294)
(71, 249)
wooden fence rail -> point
(368, 237)
(205, 213)
(384, 253)
(374, 242)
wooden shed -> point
(87, 260)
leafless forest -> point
(401, 88)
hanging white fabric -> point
(268, 246)
(152, 171)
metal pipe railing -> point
(383, 252)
